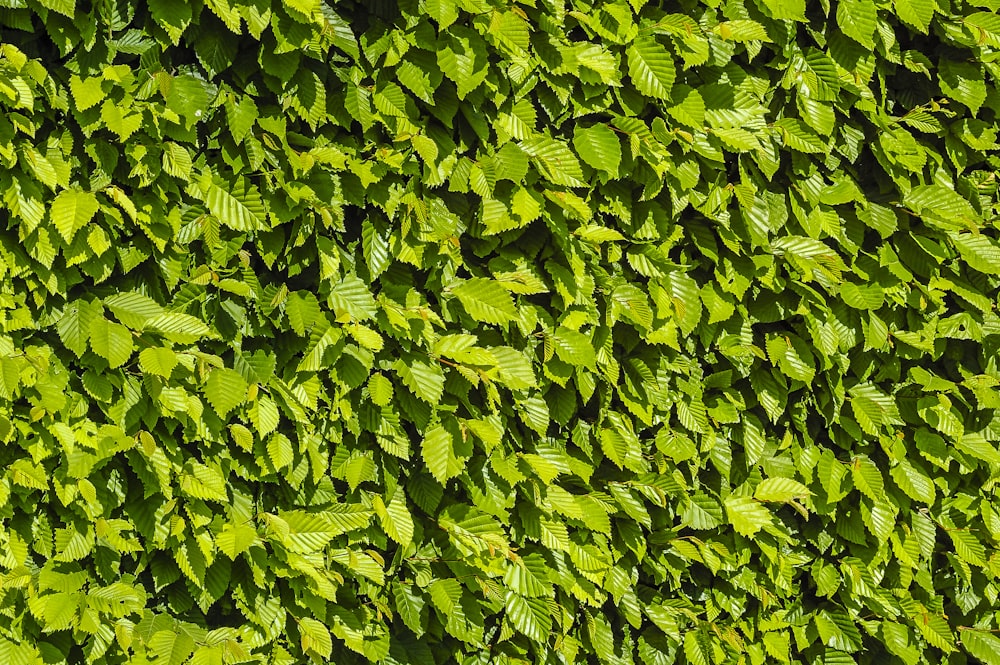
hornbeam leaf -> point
(440, 452)
(461, 56)
(189, 96)
(395, 518)
(979, 252)
(424, 379)
(72, 210)
(178, 327)
(111, 341)
(303, 310)
(132, 308)
(554, 160)
(309, 532)
(858, 19)
(746, 515)
(74, 325)
(573, 347)
(913, 481)
(742, 30)
(529, 616)
(87, 92)
(916, 13)
(985, 26)
(411, 606)
(780, 489)
(793, 10)
(868, 479)
(26, 474)
(173, 17)
(599, 147)
(651, 68)
(944, 207)
(380, 389)
(234, 539)
(237, 207)
(352, 297)
(968, 547)
(225, 389)
(964, 82)
(982, 645)
(204, 482)
(315, 637)
(485, 300)
(158, 360)
(65, 7)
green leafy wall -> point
(467, 331)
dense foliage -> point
(469, 331)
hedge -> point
(483, 332)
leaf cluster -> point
(476, 331)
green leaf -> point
(485, 300)
(916, 13)
(26, 474)
(351, 297)
(74, 325)
(225, 389)
(306, 532)
(440, 450)
(868, 479)
(573, 347)
(858, 19)
(380, 389)
(424, 379)
(111, 341)
(303, 311)
(963, 82)
(780, 490)
(180, 328)
(862, 296)
(914, 481)
(235, 539)
(462, 58)
(411, 606)
(555, 161)
(158, 360)
(529, 616)
(279, 451)
(87, 92)
(985, 26)
(798, 136)
(173, 17)
(793, 10)
(132, 308)
(395, 518)
(651, 68)
(746, 515)
(204, 482)
(689, 107)
(236, 206)
(515, 370)
(968, 547)
(742, 30)
(599, 147)
(189, 96)
(982, 644)
(72, 210)
(65, 7)
(315, 637)
(979, 252)
(942, 206)
(119, 120)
